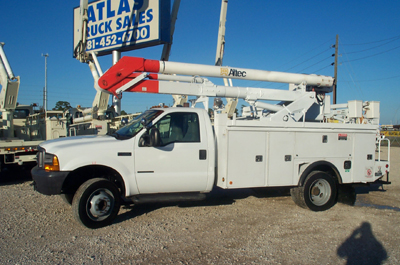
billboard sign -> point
(124, 25)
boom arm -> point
(9, 83)
(150, 76)
(121, 73)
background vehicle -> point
(22, 128)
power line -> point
(305, 61)
(312, 50)
(372, 55)
(371, 80)
(315, 64)
(372, 47)
(351, 76)
(365, 43)
(323, 68)
(308, 60)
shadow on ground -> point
(362, 247)
(15, 175)
(216, 197)
(346, 195)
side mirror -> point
(150, 138)
(155, 137)
(143, 121)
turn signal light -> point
(54, 166)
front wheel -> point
(319, 192)
(96, 203)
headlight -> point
(51, 162)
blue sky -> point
(292, 36)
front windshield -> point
(134, 126)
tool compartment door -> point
(246, 153)
(281, 158)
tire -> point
(297, 195)
(96, 203)
(319, 192)
(67, 198)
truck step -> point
(168, 197)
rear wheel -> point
(96, 203)
(319, 192)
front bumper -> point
(48, 183)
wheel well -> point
(77, 177)
(324, 166)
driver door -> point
(180, 163)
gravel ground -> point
(231, 227)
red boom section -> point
(126, 69)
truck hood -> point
(81, 142)
(79, 151)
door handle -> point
(203, 154)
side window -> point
(179, 127)
(21, 113)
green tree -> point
(62, 105)
(123, 112)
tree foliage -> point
(62, 105)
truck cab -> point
(168, 150)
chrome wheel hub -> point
(100, 204)
(320, 192)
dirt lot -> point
(231, 227)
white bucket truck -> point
(303, 142)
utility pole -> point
(336, 65)
(116, 56)
(45, 82)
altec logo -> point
(232, 72)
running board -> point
(168, 197)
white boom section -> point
(231, 102)
(10, 84)
(243, 73)
(5, 64)
(80, 49)
(100, 102)
(211, 90)
(221, 34)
